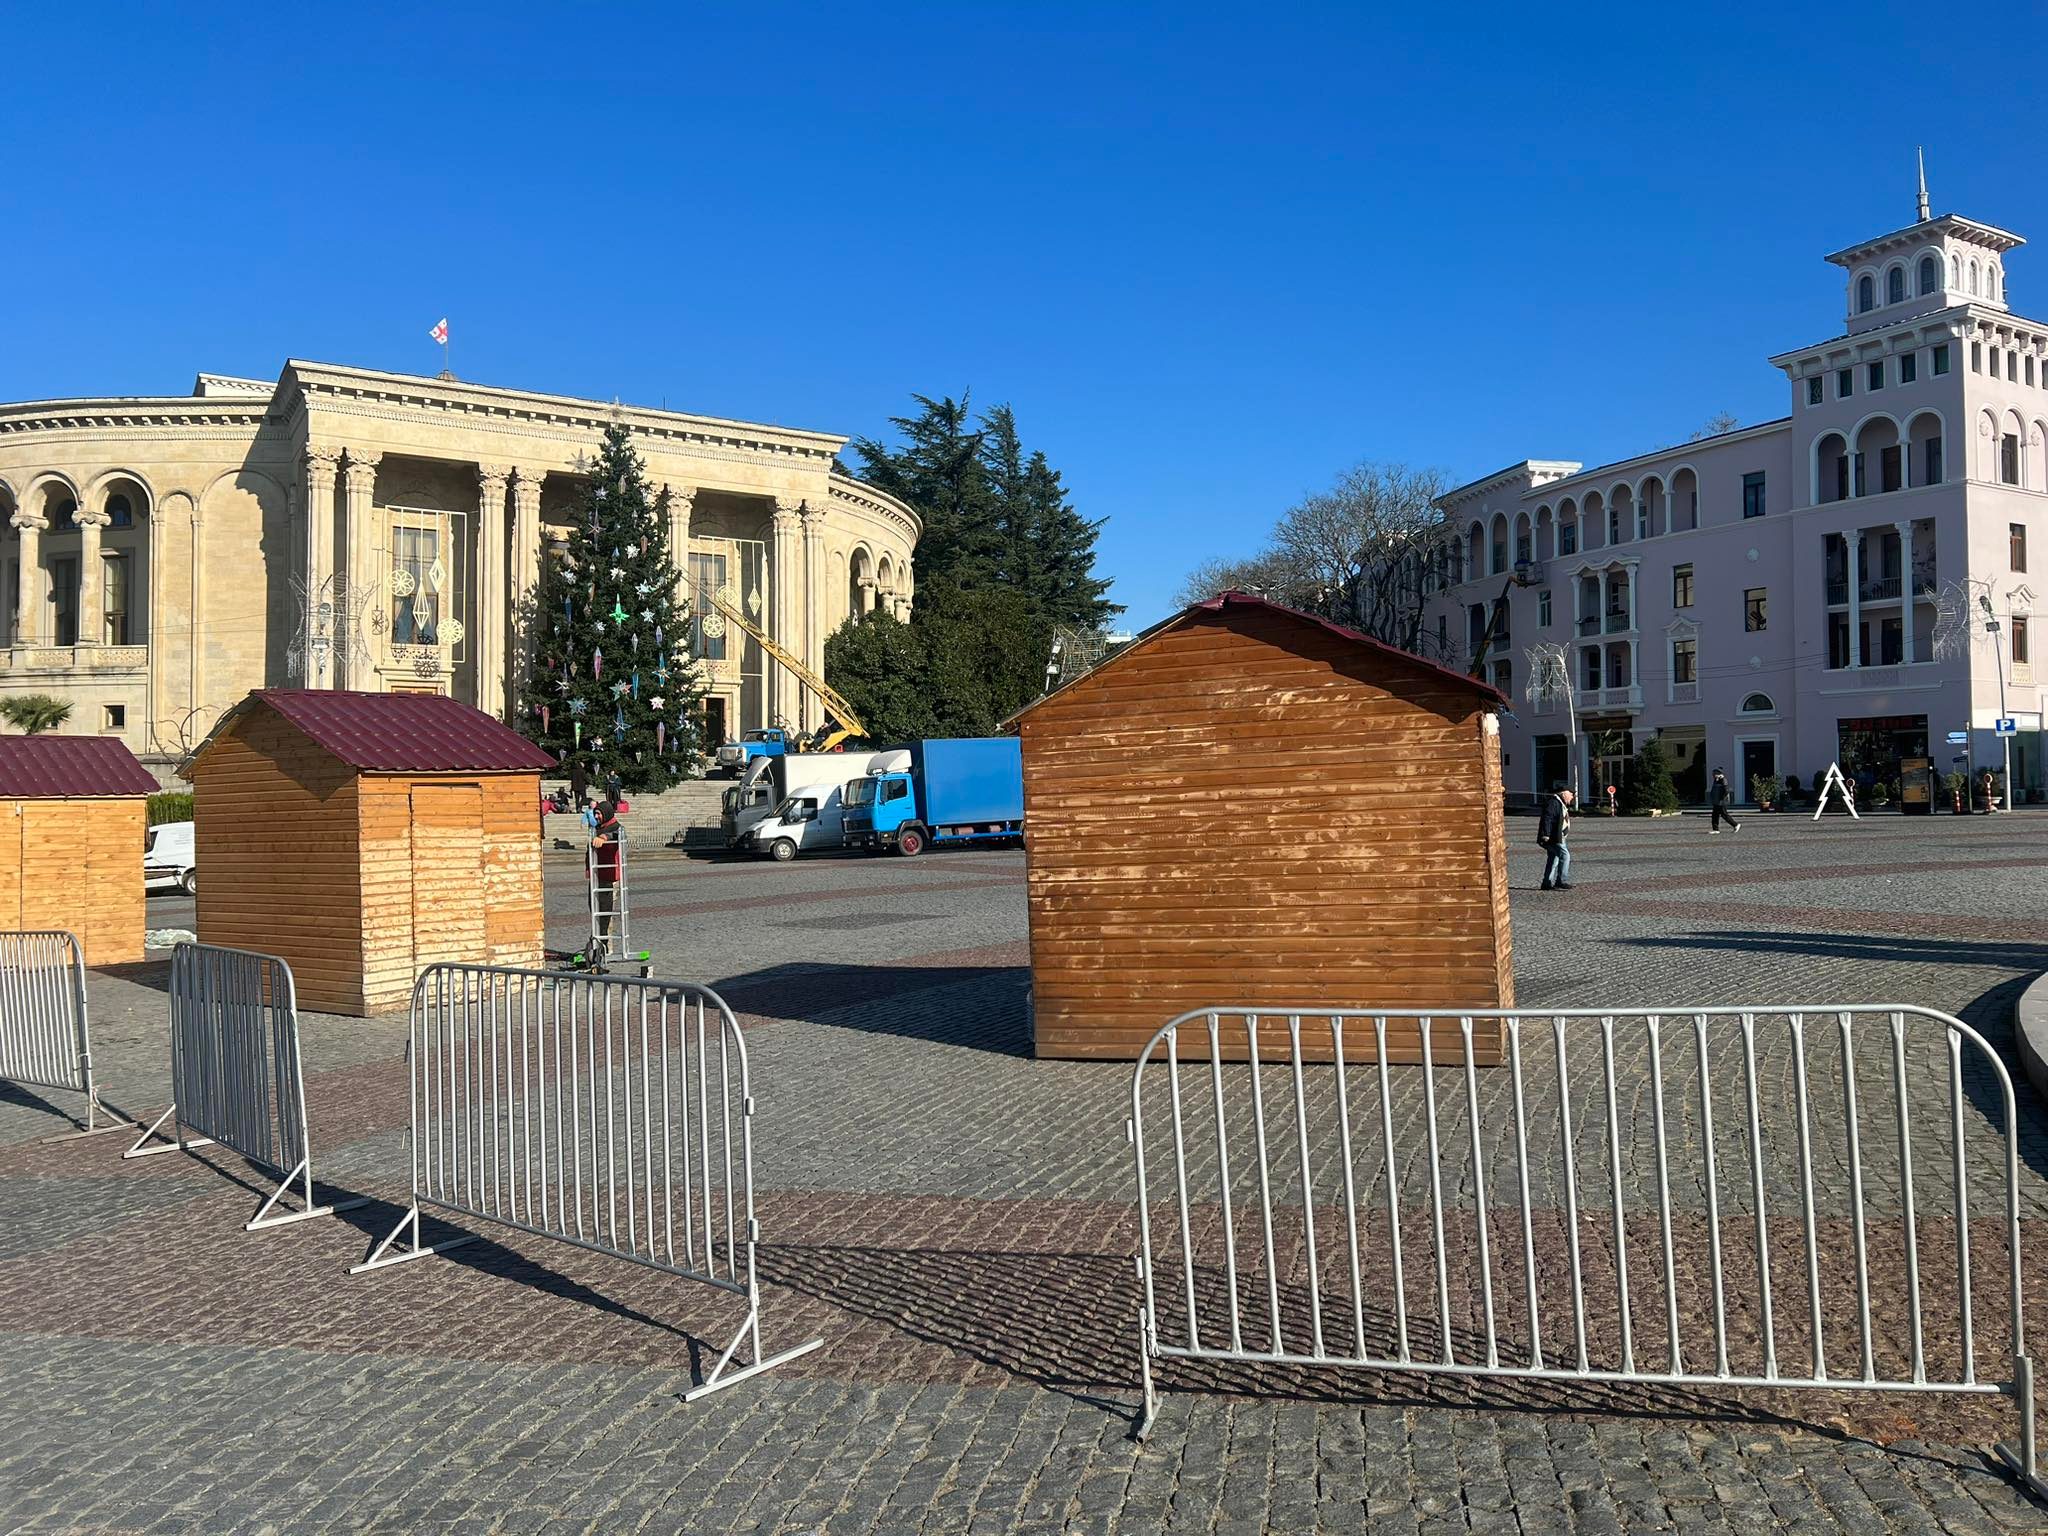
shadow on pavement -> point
(895, 1000)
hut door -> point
(447, 873)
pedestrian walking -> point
(1720, 795)
(1553, 828)
(579, 782)
(614, 790)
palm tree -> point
(34, 712)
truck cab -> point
(966, 790)
(734, 757)
(878, 808)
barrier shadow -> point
(895, 1000)
(1068, 1322)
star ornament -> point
(658, 702)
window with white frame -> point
(426, 580)
(1685, 655)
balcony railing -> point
(1590, 624)
(1881, 589)
(1923, 581)
(1838, 592)
(1685, 693)
(67, 658)
(1612, 698)
(1617, 623)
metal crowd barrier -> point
(1770, 1197)
(236, 1077)
(613, 1113)
(44, 1038)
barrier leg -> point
(93, 1110)
(2023, 1458)
(718, 1376)
(1149, 1411)
(380, 1259)
(178, 1141)
(307, 1211)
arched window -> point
(120, 512)
(1930, 275)
(1993, 281)
(1866, 294)
(1955, 271)
(1758, 704)
(1973, 278)
(1895, 286)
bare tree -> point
(1364, 549)
(1716, 424)
(1265, 574)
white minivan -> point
(809, 819)
(167, 859)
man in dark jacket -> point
(1553, 827)
(1719, 797)
(579, 782)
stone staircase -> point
(653, 820)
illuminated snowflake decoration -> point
(403, 583)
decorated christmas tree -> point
(613, 679)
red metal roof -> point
(405, 732)
(44, 767)
(1223, 600)
(1488, 694)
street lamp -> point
(1991, 628)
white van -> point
(167, 859)
(809, 819)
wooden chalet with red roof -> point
(1250, 806)
(73, 819)
(364, 836)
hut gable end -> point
(1250, 807)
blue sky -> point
(1211, 256)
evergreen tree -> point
(613, 679)
(940, 471)
(1646, 785)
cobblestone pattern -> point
(956, 1221)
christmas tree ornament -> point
(597, 663)
(636, 685)
(544, 719)
(659, 731)
(619, 614)
(646, 615)
(661, 675)
(579, 731)
(618, 690)
(658, 702)
(577, 706)
(619, 719)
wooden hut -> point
(71, 842)
(1252, 806)
(363, 836)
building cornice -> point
(878, 504)
(1600, 475)
(1536, 471)
(310, 386)
(181, 415)
(1989, 236)
(1956, 320)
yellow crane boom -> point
(841, 721)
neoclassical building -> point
(342, 527)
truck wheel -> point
(783, 850)
(189, 882)
(910, 842)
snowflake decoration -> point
(647, 615)
(577, 706)
(618, 690)
(452, 632)
(437, 574)
(644, 588)
(618, 572)
(403, 583)
(658, 702)
(714, 626)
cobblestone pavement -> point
(955, 1220)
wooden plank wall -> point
(451, 870)
(76, 864)
(274, 837)
(1252, 810)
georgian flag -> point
(440, 331)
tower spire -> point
(1922, 154)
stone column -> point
(316, 498)
(1905, 528)
(493, 609)
(682, 500)
(525, 565)
(28, 623)
(813, 650)
(784, 593)
(91, 621)
(1855, 540)
(360, 581)
(867, 595)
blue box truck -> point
(969, 790)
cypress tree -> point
(613, 680)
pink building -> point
(1769, 600)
